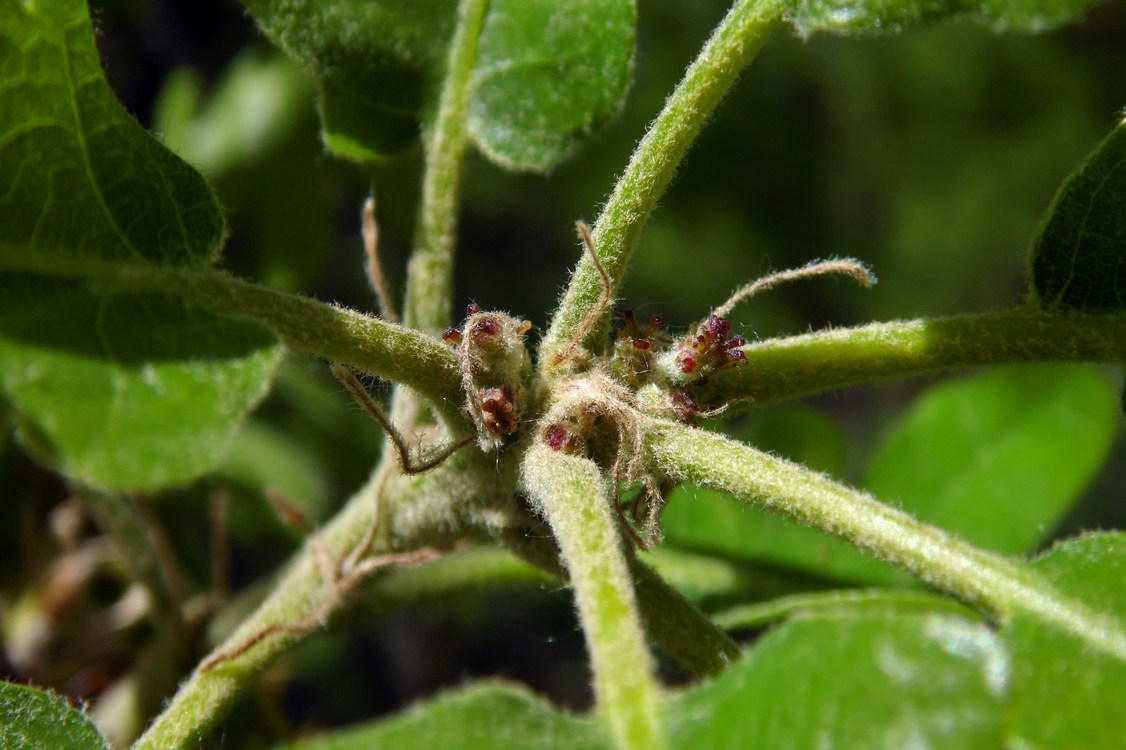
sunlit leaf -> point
(866, 681)
(891, 16)
(1000, 457)
(120, 390)
(547, 72)
(1067, 693)
(32, 719)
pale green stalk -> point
(787, 368)
(430, 272)
(571, 493)
(996, 585)
(708, 79)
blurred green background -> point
(931, 156)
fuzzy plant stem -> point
(999, 586)
(786, 368)
(430, 271)
(337, 334)
(571, 493)
(206, 696)
(708, 79)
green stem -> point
(731, 47)
(337, 334)
(430, 272)
(988, 582)
(671, 621)
(203, 700)
(571, 493)
(786, 368)
(453, 502)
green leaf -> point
(1000, 457)
(132, 392)
(868, 681)
(485, 716)
(1079, 259)
(893, 16)
(377, 65)
(78, 176)
(122, 391)
(547, 71)
(33, 719)
(1066, 694)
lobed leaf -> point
(893, 16)
(1066, 694)
(1000, 457)
(33, 719)
(1079, 258)
(122, 391)
(547, 72)
(871, 681)
(485, 716)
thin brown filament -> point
(374, 269)
(407, 464)
(600, 307)
(338, 588)
(849, 267)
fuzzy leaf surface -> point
(999, 457)
(33, 719)
(893, 16)
(1066, 694)
(1079, 259)
(547, 72)
(872, 681)
(485, 716)
(121, 391)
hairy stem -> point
(337, 334)
(430, 272)
(453, 502)
(731, 47)
(787, 368)
(996, 585)
(571, 493)
(206, 696)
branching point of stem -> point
(407, 464)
